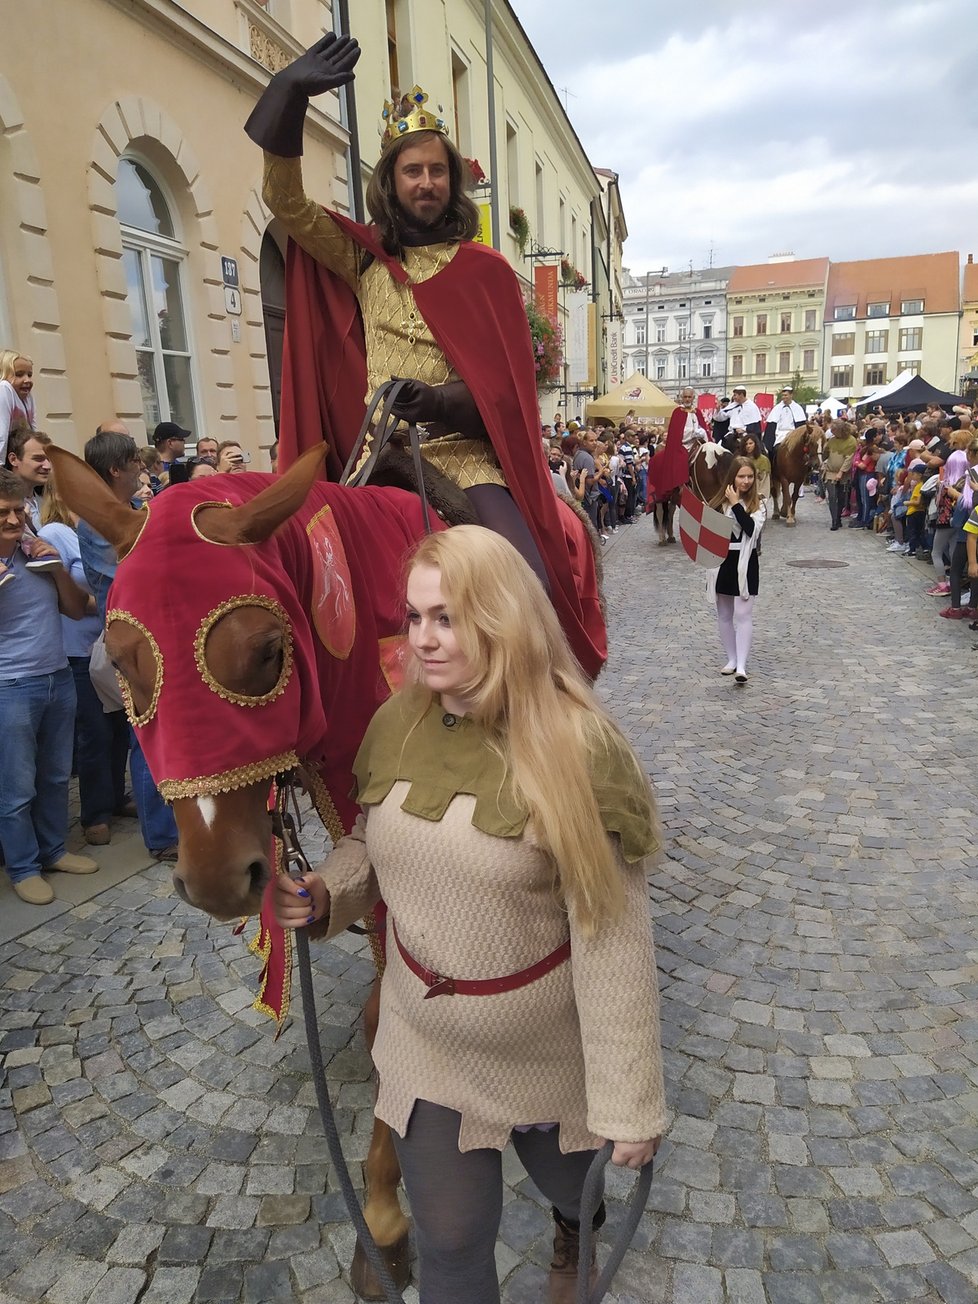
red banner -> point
(545, 290)
(707, 405)
(765, 403)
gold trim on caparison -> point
(136, 719)
(215, 543)
(208, 623)
(210, 785)
(139, 533)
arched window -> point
(152, 256)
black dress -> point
(728, 578)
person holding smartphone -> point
(231, 457)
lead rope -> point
(296, 865)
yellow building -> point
(138, 266)
(774, 322)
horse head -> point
(208, 633)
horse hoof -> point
(790, 521)
(663, 542)
(397, 1259)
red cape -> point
(669, 468)
(476, 314)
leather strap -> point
(439, 985)
(386, 394)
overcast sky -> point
(844, 128)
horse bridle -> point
(296, 864)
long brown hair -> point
(461, 218)
(528, 692)
(754, 500)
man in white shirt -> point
(745, 415)
(785, 417)
(694, 431)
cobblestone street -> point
(817, 931)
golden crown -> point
(410, 113)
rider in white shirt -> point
(785, 417)
(695, 431)
(745, 415)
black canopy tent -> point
(914, 397)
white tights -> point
(735, 617)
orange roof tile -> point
(758, 277)
(931, 277)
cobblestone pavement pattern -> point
(816, 924)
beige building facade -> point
(884, 316)
(138, 265)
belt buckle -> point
(438, 986)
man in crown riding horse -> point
(414, 296)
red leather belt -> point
(439, 985)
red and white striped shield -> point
(703, 532)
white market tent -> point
(885, 391)
(831, 405)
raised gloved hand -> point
(324, 66)
(277, 120)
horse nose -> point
(258, 875)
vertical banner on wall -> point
(577, 337)
(484, 233)
(545, 290)
(592, 343)
(614, 354)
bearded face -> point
(422, 183)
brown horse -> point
(281, 638)
(794, 461)
(706, 476)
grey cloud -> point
(849, 126)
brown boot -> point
(564, 1268)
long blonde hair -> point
(540, 715)
(7, 359)
(54, 509)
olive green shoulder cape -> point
(443, 755)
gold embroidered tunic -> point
(474, 896)
(398, 339)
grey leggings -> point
(496, 509)
(457, 1200)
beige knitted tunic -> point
(579, 1046)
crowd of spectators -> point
(912, 480)
(60, 707)
(604, 469)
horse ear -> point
(257, 520)
(87, 494)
